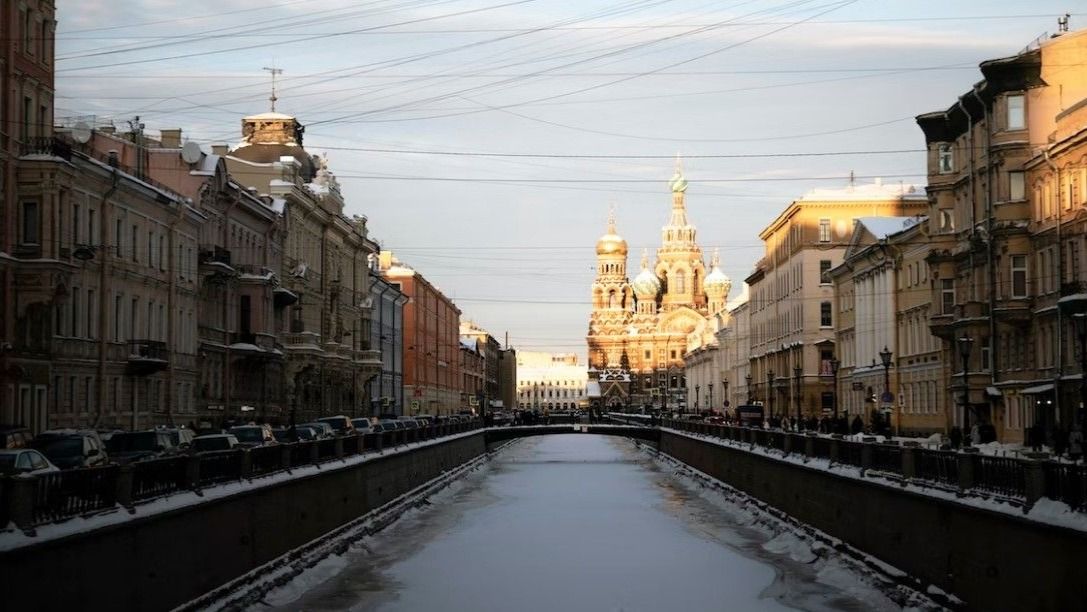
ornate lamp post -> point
(770, 390)
(724, 395)
(834, 364)
(697, 396)
(798, 373)
(710, 387)
(966, 345)
(888, 397)
(750, 396)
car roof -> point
(209, 436)
(16, 451)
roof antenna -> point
(275, 71)
(1062, 23)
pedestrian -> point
(1075, 444)
(975, 435)
(956, 437)
(1037, 437)
(1060, 442)
(857, 426)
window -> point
(75, 313)
(117, 318)
(135, 243)
(1019, 276)
(150, 249)
(1016, 186)
(90, 226)
(26, 31)
(824, 230)
(91, 319)
(1017, 118)
(44, 40)
(28, 113)
(945, 158)
(119, 237)
(162, 253)
(648, 354)
(826, 318)
(75, 225)
(681, 281)
(824, 271)
(986, 355)
(30, 223)
(947, 296)
(947, 220)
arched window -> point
(613, 302)
(680, 281)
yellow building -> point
(641, 327)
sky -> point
(486, 139)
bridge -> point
(495, 435)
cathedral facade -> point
(638, 329)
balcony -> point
(256, 275)
(303, 342)
(367, 358)
(146, 357)
(45, 145)
(215, 263)
(249, 344)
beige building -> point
(716, 360)
(639, 329)
(325, 329)
(1006, 238)
(547, 381)
(881, 309)
(792, 339)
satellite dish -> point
(191, 152)
(81, 132)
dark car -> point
(70, 448)
(253, 435)
(214, 442)
(131, 446)
(181, 437)
(15, 436)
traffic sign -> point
(415, 405)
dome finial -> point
(678, 183)
(645, 259)
(611, 218)
(715, 261)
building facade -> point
(1006, 240)
(551, 382)
(641, 328)
(385, 392)
(792, 297)
(491, 350)
(432, 380)
(323, 315)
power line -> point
(615, 156)
(460, 179)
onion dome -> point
(717, 279)
(611, 243)
(646, 284)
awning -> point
(1037, 389)
(993, 392)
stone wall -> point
(160, 561)
(990, 560)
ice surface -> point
(580, 522)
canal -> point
(574, 523)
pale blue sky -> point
(646, 78)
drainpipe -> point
(994, 354)
(1060, 278)
(103, 299)
(973, 199)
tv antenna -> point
(1062, 23)
(275, 71)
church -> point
(638, 330)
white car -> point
(24, 461)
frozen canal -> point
(576, 523)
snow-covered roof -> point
(269, 116)
(882, 227)
(869, 191)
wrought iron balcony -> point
(146, 357)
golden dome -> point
(611, 243)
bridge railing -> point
(1019, 481)
(32, 501)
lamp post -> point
(966, 345)
(710, 387)
(697, 396)
(834, 365)
(798, 373)
(724, 395)
(888, 397)
(770, 390)
(1080, 321)
(750, 396)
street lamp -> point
(724, 395)
(1079, 320)
(966, 345)
(710, 387)
(834, 365)
(750, 396)
(798, 372)
(888, 398)
(697, 396)
(770, 390)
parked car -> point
(24, 461)
(15, 436)
(132, 446)
(214, 442)
(409, 422)
(71, 448)
(362, 425)
(381, 427)
(392, 424)
(324, 430)
(253, 435)
(340, 424)
(181, 437)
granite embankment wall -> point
(161, 560)
(989, 559)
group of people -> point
(1062, 441)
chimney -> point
(219, 149)
(113, 158)
(170, 139)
